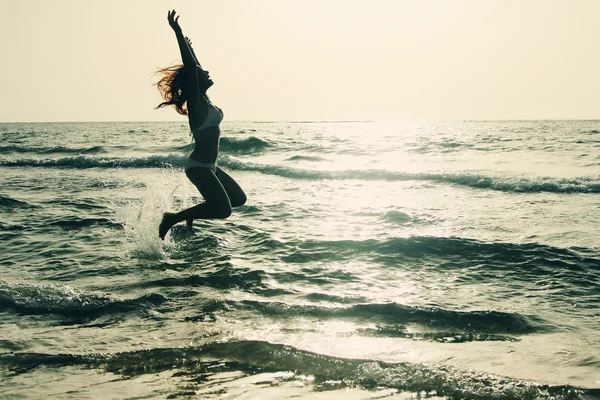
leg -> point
(234, 191)
(216, 204)
(237, 197)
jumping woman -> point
(184, 87)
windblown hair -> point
(172, 88)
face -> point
(204, 80)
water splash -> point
(141, 217)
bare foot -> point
(166, 224)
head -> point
(173, 85)
(204, 81)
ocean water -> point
(446, 260)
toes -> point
(165, 224)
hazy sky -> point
(93, 60)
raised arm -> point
(187, 56)
(189, 42)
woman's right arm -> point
(187, 56)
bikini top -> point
(214, 117)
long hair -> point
(172, 88)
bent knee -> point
(222, 212)
(226, 213)
(239, 201)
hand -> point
(189, 43)
(174, 21)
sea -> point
(396, 259)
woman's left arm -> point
(189, 60)
(189, 43)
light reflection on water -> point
(452, 244)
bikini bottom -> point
(189, 163)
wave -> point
(313, 276)
(228, 145)
(397, 217)
(306, 158)
(517, 260)
(64, 301)
(254, 357)
(225, 277)
(570, 269)
(396, 331)
(52, 150)
(155, 161)
(506, 184)
(393, 313)
(9, 232)
(448, 146)
(333, 298)
(7, 202)
(7, 227)
(522, 259)
(69, 223)
(243, 146)
(418, 246)
(86, 204)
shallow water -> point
(447, 259)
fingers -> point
(174, 20)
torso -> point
(207, 133)
(206, 147)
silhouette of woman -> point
(184, 87)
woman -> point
(184, 87)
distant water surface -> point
(441, 259)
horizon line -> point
(300, 121)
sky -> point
(299, 60)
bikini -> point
(213, 118)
